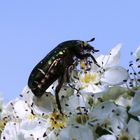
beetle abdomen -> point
(46, 72)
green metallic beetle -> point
(56, 66)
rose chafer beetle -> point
(57, 65)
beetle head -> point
(84, 47)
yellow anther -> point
(2, 124)
(82, 64)
(82, 119)
(31, 117)
(88, 77)
(57, 120)
(93, 76)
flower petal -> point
(134, 129)
(115, 75)
(135, 108)
(107, 137)
(112, 115)
(78, 132)
(137, 52)
(111, 59)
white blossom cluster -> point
(102, 103)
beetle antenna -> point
(91, 40)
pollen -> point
(82, 119)
(88, 77)
(82, 65)
(2, 125)
(31, 117)
(57, 120)
(125, 136)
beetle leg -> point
(73, 87)
(68, 71)
(60, 83)
(68, 75)
(68, 78)
(94, 60)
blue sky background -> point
(29, 29)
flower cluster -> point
(99, 103)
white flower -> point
(137, 53)
(134, 129)
(109, 74)
(27, 95)
(107, 137)
(110, 115)
(125, 101)
(11, 132)
(78, 132)
(26, 130)
(35, 128)
(45, 104)
(52, 136)
(16, 109)
(135, 108)
(115, 75)
(131, 132)
(110, 60)
(21, 109)
(94, 106)
(73, 103)
(112, 74)
(113, 93)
